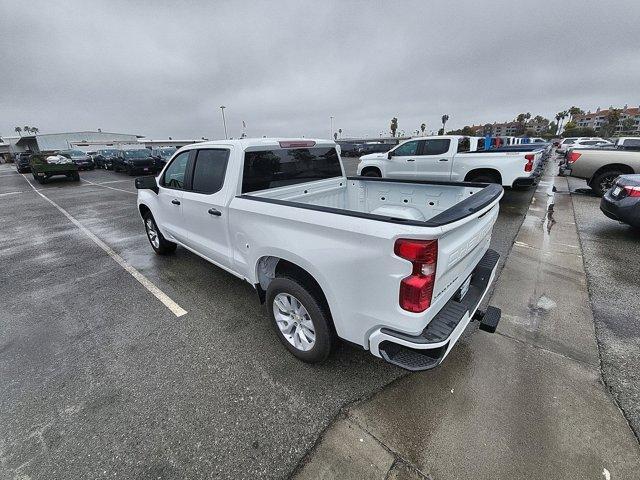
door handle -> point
(213, 211)
(411, 160)
(443, 160)
(175, 201)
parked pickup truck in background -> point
(600, 167)
(451, 158)
(398, 267)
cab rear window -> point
(265, 169)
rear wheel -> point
(76, 177)
(159, 244)
(604, 181)
(300, 322)
(484, 178)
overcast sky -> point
(163, 69)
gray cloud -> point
(164, 68)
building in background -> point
(86, 141)
(598, 118)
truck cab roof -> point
(244, 143)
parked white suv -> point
(397, 267)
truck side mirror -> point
(147, 183)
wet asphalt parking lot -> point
(102, 380)
(611, 253)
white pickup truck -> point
(397, 267)
(453, 158)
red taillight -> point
(416, 289)
(633, 191)
(572, 157)
(529, 158)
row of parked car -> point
(131, 161)
(611, 169)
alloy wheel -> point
(294, 321)
(152, 233)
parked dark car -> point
(622, 201)
(349, 149)
(80, 158)
(22, 162)
(134, 161)
(161, 156)
(367, 148)
(104, 158)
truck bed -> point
(422, 203)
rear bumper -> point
(526, 181)
(626, 210)
(430, 348)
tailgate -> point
(460, 248)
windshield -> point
(111, 152)
(140, 153)
(167, 152)
(76, 153)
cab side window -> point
(464, 145)
(436, 146)
(174, 174)
(406, 149)
(209, 170)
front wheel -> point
(372, 172)
(302, 325)
(160, 245)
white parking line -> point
(111, 181)
(176, 309)
(107, 186)
(9, 193)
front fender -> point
(378, 163)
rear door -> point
(402, 163)
(436, 159)
(170, 190)
(204, 205)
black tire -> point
(319, 318)
(76, 177)
(484, 178)
(372, 172)
(162, 246)
(604, 181)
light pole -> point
(331, 130)
(224, 122)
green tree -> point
(423, 127)
(26, 128)
(579, 132)
(571, 125)
(340, 132)
(18, 130)
(394, 126)
(445, 119)
(613, 118)
(35, 130)
(573, 111)
(628, 125)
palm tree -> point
(18, 130)
(423, 127)
(35, 130)
(560, 116)
(394, 126)
(445, 119)
(26, 128)
(340, 132)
